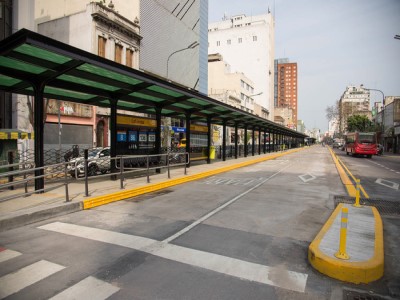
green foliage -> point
(359, 123)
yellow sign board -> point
(130, 120)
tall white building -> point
(248, 44)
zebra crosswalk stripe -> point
(7, 254)
(14, 282)
(88, 288)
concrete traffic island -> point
(363, 258)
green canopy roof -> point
(28, 59)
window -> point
(129, 57)
(254, 38)
(228, 42)
(241, 83)
(118, 53)
(218, 43)
(240, 40)
(101, 46)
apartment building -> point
(354, 101)
(247, 43)
(232, 88)
(286, 90)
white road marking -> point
(231, 181)
(8, 254)
(210, 214)
(307, 177)
(24, 277)
(261, 166)
(225, 265)
(88, 288)
(387, 183)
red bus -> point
(361, 143)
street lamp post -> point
(249, 97)
(383, 113)
(191, 46)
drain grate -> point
(385, 207)
(360, 295)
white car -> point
(98, 161)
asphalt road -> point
(380, 175)
(243, 234)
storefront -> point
(135, 135)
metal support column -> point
(259, 140)
(245, 141)
(236, 140)
(113, 136)
(39, 134)
(253, 141)
(157, 145)
(265, 141)
(188, 133)
(224, 140)
(209, 137)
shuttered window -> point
(129, 57)
(118, 53)
(102, 46)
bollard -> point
(357, 204)
(343, 235)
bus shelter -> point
(36, 65)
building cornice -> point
(115, 21)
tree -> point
(332, 112)
(359, 123)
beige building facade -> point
(232, 88)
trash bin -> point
(212, 152)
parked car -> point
(337, 145)
(98, 161)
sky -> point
(336, 43)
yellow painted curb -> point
(117, 196)
(354, 272)
(351, 190)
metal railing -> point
(152, 162)
(23, 174)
